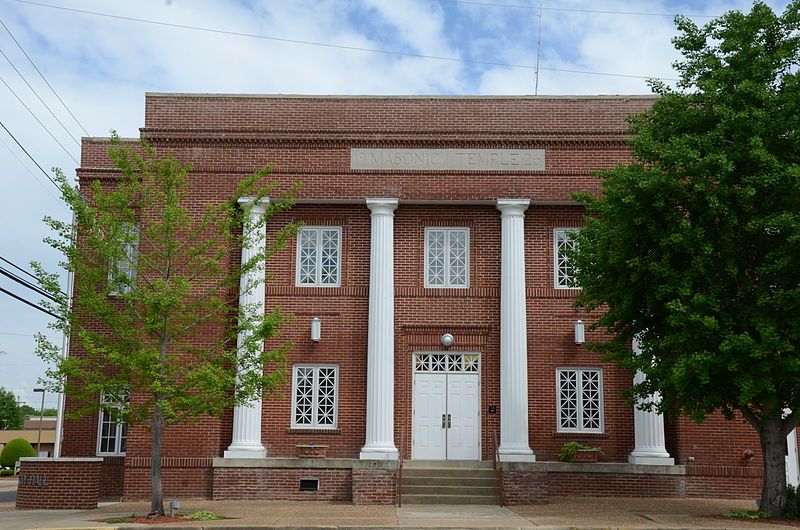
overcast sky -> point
(102, 66)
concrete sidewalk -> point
(562, 512)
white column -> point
(514, 446)
(246, 440)
(648, 430)
(379, 444)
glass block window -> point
(112, 435)
(314, 391)
(580, 399)
(122, 267)
(319, 256)
(447, 257)
(563, 240)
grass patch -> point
(203, 516)
(747, 514)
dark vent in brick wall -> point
(309, 484)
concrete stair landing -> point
(449, 482)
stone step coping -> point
(593, 467)
(306, 463)
(438, 481)
(61, 459)
(448, 464)
(449, 490)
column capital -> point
(250, 204)
(382, 206)
(513, 206)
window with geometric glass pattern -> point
(112, 435)
(319, 256)
(563, 240)
(447, 257)
(314, 389)
(580, 399)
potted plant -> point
(311, 450)
(578, 452)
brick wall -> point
(58, 484)
(730, 482)
(525, 487)
(281, 484)
(374, 486)
(616, 485)
(112, 478)
(181, 477)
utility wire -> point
(22, 270)
(573, 10)
(25, 283)
(53, 114)
(27, 170)
(53, 90)
(39, 121)
(29, 156)
(340, 46)
(24, 301)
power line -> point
(53, 90)
(29, 156)
(340, 46)
(574, 10)
(24, 301)
(29, 172)
(53, 114)
(25, 283)
(23, 270)
(38, 120)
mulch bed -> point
(144, 520)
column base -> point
(516, 455)
(245, 452)
(379, 452)
(651, 459)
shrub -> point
(6, 472)
(569, 450)
(792, 502)
(14, 450)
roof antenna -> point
(538, 52)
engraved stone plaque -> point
(458, 159)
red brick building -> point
(433, 307)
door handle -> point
(449, 421)
(444, 421)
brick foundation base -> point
(59, 484)
(375, 482)
(533, 483)
(280, 484)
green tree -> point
(10, 414)
(694, 247)
(28, 411)
(155, 319)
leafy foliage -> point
(14, 450)
(155, 313)
(203, 516)
(747, 514)
(10, 414)
(792, 503)
(693, 249)
(28, 411)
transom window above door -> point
(447, 257)
(446, 362)
(319, 256)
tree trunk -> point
(773, 446)
(157, 492)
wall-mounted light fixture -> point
(580, 336)
(447, 340)
(316, 329)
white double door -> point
(446, 408)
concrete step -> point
(449, 499)
(455, 489)
(448, 464)
(448, 472)
(450, 481)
